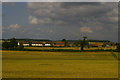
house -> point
(107, 45)
(58, 44)
(70, 44)
(37, 44)
(95, 44)
(25, 43)
(47, 44)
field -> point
(67, 48)
(36, 64)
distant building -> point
(58, 44)
(70, 44)
(108, 45)
(95, 44)
(37, 44)
(24, 43)
(47, 44)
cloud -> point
(51, 31)
(70, 20)
(9, 3)
(86, 30)
(95, 18)
(115, 19)
(71, 12)
(98, 28)
(44, 21)
(33, 20)
(14, 26)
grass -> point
(67, 48)
(36, 64)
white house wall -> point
(37, 44)
(25, 44)
(47, 44)
(18, 43)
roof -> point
(24, 42)
(59, 42)
(36, 42)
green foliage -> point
(30, 44)
(6, 45)
(13, 43)
(77, 43)
(10, 45)
(84, 43)
(21, 47)
(65, 41)
(118, 46)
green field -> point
(36, 64)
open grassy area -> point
(36, 64)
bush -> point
(21, 47)
(12, 44)
(118, 46)
(6, 45)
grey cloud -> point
(93, 15)
(64, 20)
(9, 3)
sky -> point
(58, 20)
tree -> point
(21, 47)
(83, 43)
(65, 42)
(118, 46)
(6, 45)
(76, 43)
(30, 44)
(10, 45)
(13, 43)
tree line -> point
(82, 43)
(12, 44)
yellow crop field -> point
(36, 64)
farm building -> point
(92, 43)
(108, 45)
(24, 43)
(47, 44)
(37, 44)
(58, 44)
(95, 44)
(70, 44)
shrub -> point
(6, 45)
(21, 47)
(118, 46)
